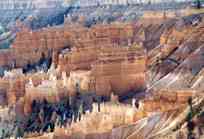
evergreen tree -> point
(190, 123)
(198, 4)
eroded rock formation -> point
(162, 59)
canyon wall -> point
(29, 46)
(113, 69)
(119, 70)
(13, 87)
(114, 63)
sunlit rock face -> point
(34, 44)
(49, 88)
(83, 79)
(112, 69)
(88, 82)
(106, 60)
(13, 86)
(89, 59)
(119, 71)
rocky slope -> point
(179, 46)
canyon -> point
(156, 61)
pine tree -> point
(198, 4)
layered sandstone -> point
(93, 56)
(13, 85)
(29, 45)
(119, 70)
(112, 69)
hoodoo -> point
(107, 69)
